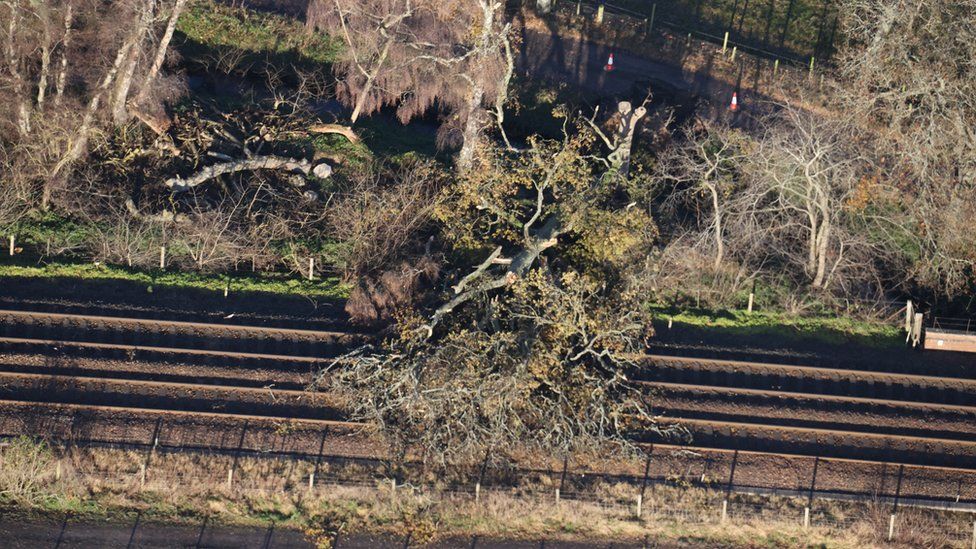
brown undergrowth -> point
(187, 488)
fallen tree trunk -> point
(344, 131)
(178, 184)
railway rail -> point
(795, 409)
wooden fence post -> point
(725, 510)
(909, 315)
(891, 527)
(13, 245)
(311, 483)
(230, 478)
(162, 257)
(725, 42)
(477, 491)
(142, 476)
(311, 268)
(775, 67)
(806, 518)
(599, 14)
(57, 471)
(811, 66)
(640, 502)
(752, 298)
(735, 49)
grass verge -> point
(328, 288)
(104, 484)
(784, 328)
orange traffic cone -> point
(734, 107)
(609, 66)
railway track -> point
(169, 336)
(229, 370)
(54, 388)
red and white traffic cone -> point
(734, 106)
(609, 66)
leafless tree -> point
(51, 44)
(381, 213)
(415, 54)
(809, 195)
(705, 168)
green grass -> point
(214, 25)
(328, 288)
(784, 327)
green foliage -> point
(329, 288)
(214, 24)
(43, 229)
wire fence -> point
(648, 15)
(686, 498)
(870, 521)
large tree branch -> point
(178, 184)
(546, 237)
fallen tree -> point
(179, 184)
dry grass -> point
(189, 487)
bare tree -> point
(808, 193)
(707, 166)
(415, 54)
(379, 215)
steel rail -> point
(809, 396)
(177, 324)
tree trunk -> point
(823, 240)
(717, 214)
(120, 111)
(45, 16)
(161, 51)
(19, 85)
(65, 47)
(629, 117)
(368, 87)
(474, 122)
(80, 139)
(472, 128)
(178, 184)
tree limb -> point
(178, 184)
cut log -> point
(344, 131)
(178, 184)
(158, 123)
